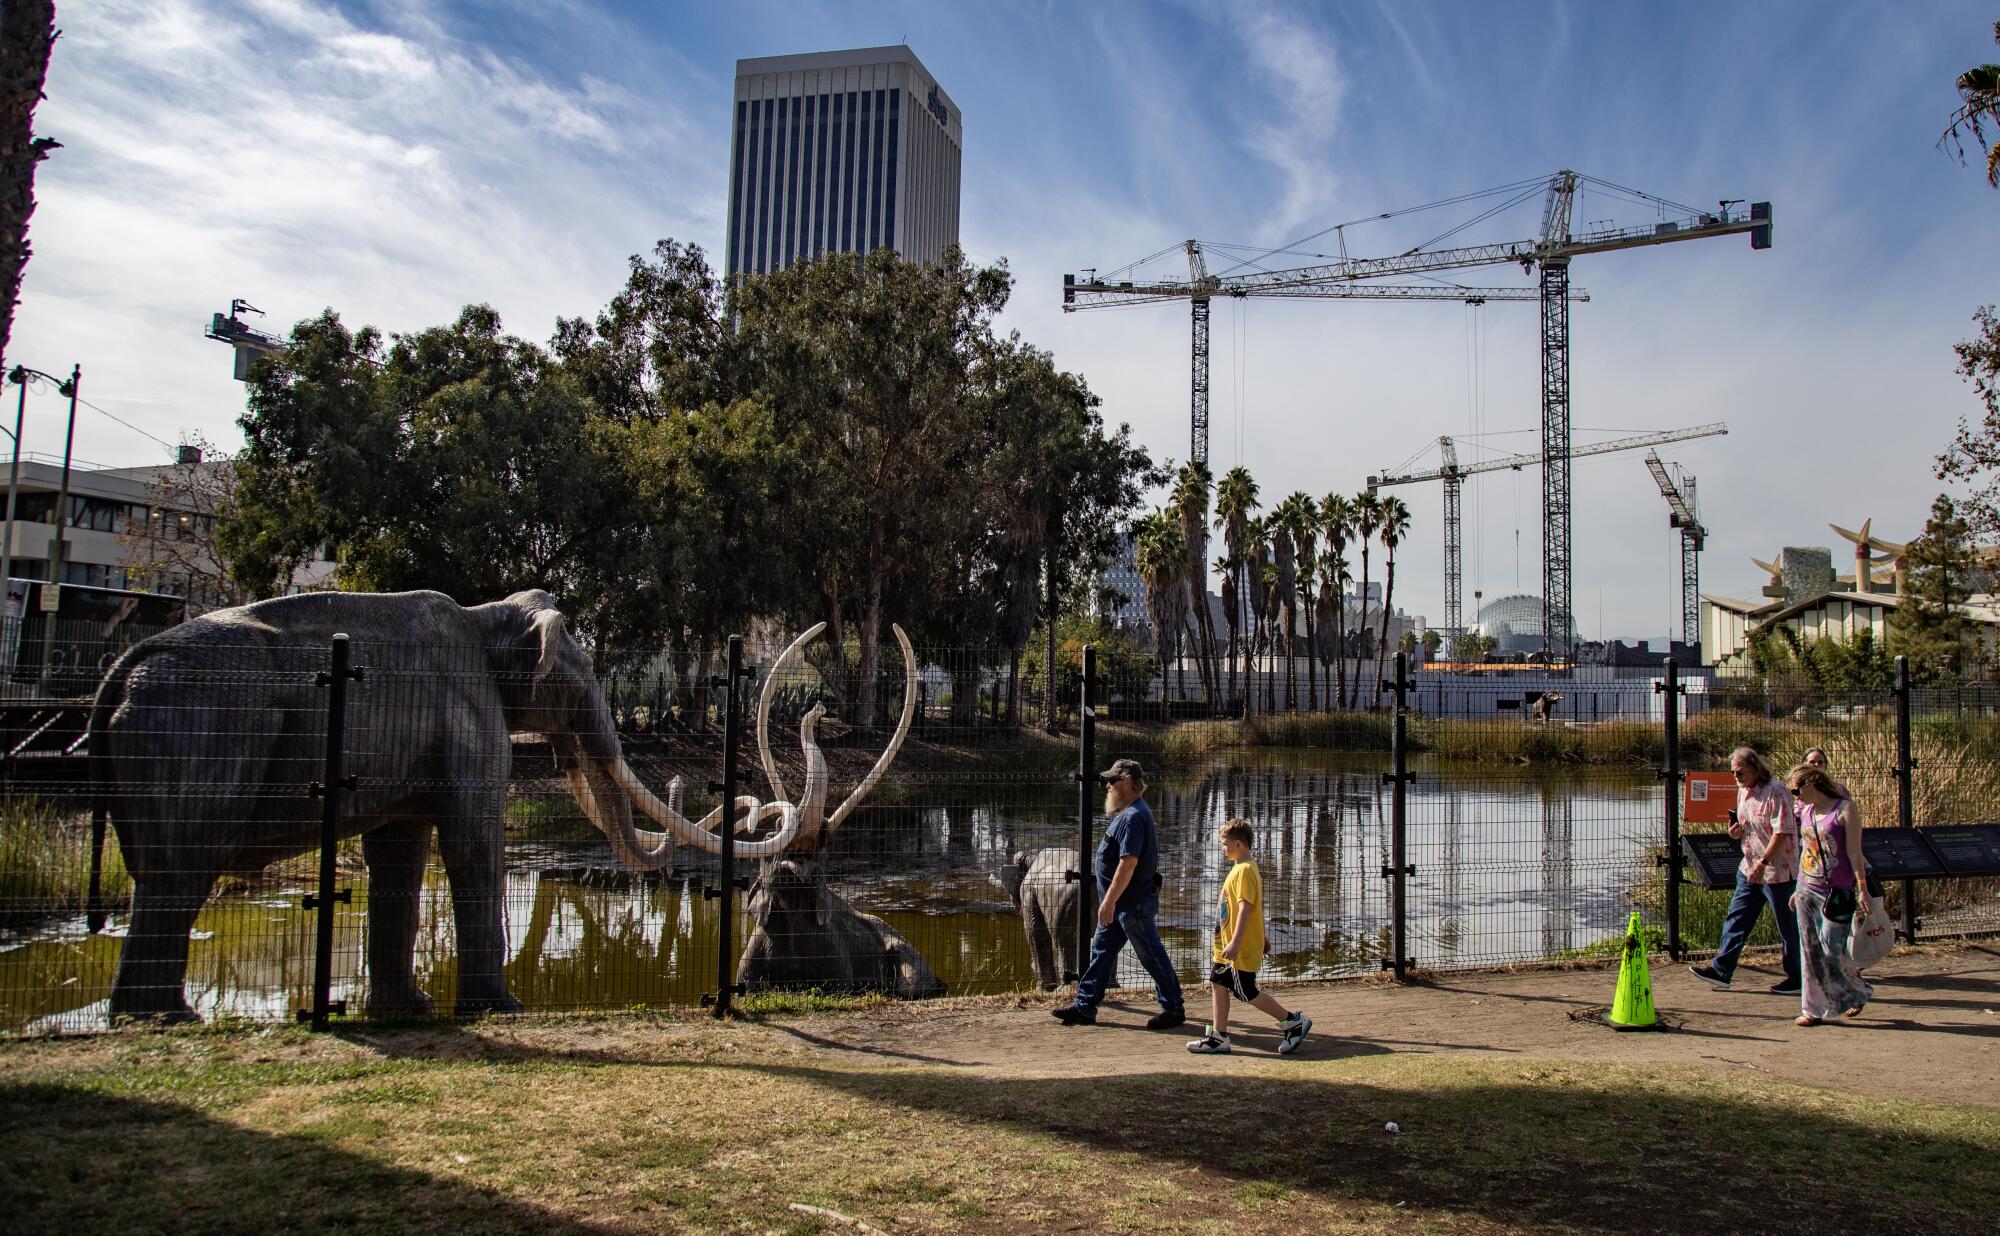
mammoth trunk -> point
(611, 812)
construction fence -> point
(368, 828)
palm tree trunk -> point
(1339, 647)
(1312, 663)
(1364, 624)
(1388, 599)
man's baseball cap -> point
(1123, 768)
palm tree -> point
(1162, 563)
(1285, 547)
(1227, 573)
(1305, 541)
(1235, 499)
(1979, 95)
(1257, 558)
(1190, 504)
(1336, 516)
(1367, 514)
(1394, 525)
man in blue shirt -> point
(1128, 886)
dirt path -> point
(1933, 1030)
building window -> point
(736, 189)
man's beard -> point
(1110, 802)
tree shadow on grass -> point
(1540, 1148)
(81, 1161)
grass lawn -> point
(666, 1124)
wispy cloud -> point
(1298, 114)
(287, 151)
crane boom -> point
(1683, 513)
(1453, 469)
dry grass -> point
(666, 1124)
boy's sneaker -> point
(1210, 1044)
(1295, 1028)
(1708, 975)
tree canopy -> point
(846, 440)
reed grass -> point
(45, 862)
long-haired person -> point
(1833, 889)
(1763, 822)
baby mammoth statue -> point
(1041, 885)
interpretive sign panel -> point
(1714, 857)
(1966, 849)
(1899, 854)
(1708, 798)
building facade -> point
(840, 152)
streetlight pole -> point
(62, 518)
(19, 377)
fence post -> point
(1086, 784)
(1905, 802)
(726, 883)
(328, 792)
(1671, 775)
(1399, 869)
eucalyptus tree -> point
(1235, 502)
(870, 364)
(1393, 526)
(1367, 517)
(1336, 517)
(27, 37)
(1190, 505)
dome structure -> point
(1514, 622)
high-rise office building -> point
(842, 151)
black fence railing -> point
(513, 829)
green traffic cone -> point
(1632, 1008)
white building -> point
(840, 152)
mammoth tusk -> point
(641, 851)
(895, 743)
(695, 834)
(764, 710)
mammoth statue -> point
(1041, 886)
(803, 934)
(203, 737)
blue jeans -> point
(1134, 925)
(1744, 907)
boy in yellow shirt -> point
(1239, 950)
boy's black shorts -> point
(1241, 983)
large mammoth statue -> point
(804, 934)
(204, 737)
(1041, 885)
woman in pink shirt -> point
(1764, 822)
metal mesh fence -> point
(526, 827)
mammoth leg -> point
(396, 854)
(470, 841)
(1041, 941)
(152, 967)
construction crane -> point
(1550, 253)
(249, 342)
(1200, 287)
(1453, 474)
(1677, 487)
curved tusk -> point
(695, 834)
(643, 851)
(895, 743)
(764, 710)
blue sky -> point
(396, 161)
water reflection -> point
(1511, 865)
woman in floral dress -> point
(1832, 892)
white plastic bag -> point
(1871, 937)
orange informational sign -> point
(1710, 795)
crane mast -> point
(1452, 473)
(1684, 514)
